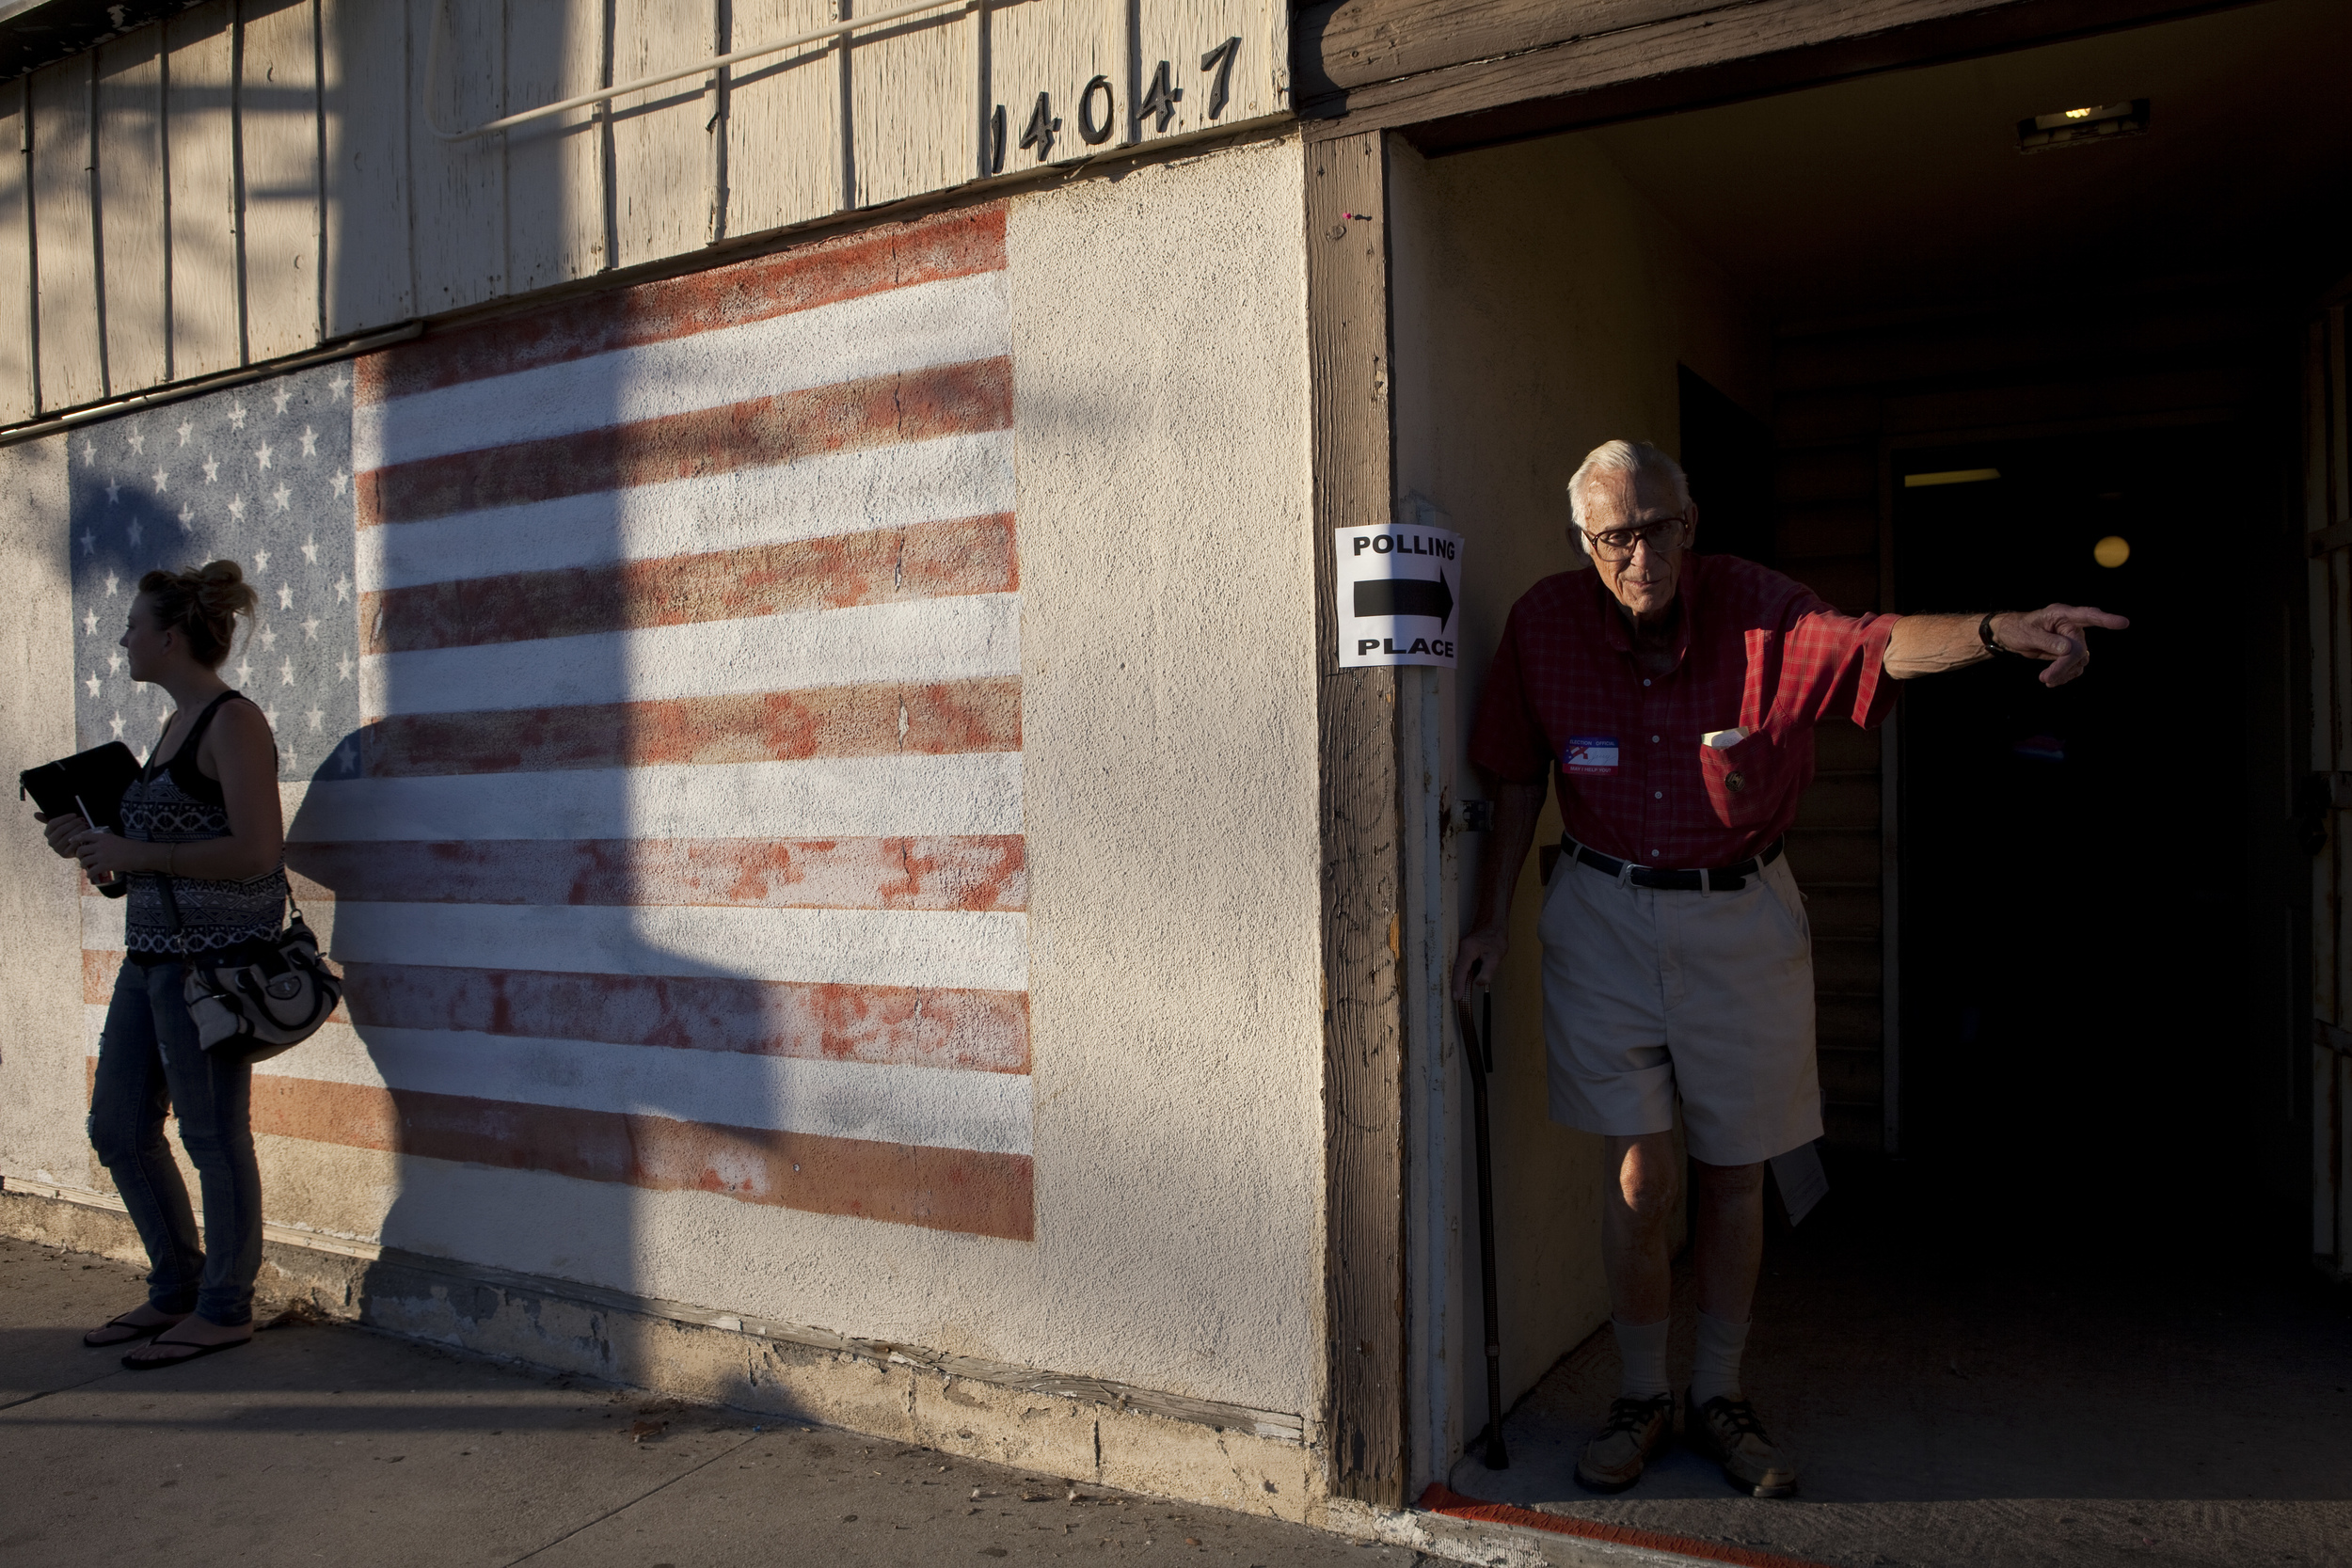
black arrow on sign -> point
(1429, 596)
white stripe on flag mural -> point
(966, 793)
(913, 640)
(816, 498)
(986, 950)
(940, 1107)
(260, 476)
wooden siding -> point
(17, 400)
(278, 114)
(252, 178)
(134, 246)
(207, 333)
(2328, 541)
(72, 344)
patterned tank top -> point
(172, 802)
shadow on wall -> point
(687, 856)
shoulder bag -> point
(247, 1013)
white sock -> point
(1715, 1370)
(1642, 1351)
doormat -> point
(1441, 1499)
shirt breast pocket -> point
(1743, 780)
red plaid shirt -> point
(1751, 649)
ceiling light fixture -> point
(1951, 476)
(2080, 127)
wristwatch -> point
(1985, 634)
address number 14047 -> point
(1098, 107)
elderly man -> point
(1675, 696)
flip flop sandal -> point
(196, 1353)
(138, 1331)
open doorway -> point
(2061, 1028)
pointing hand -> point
(2057, 634)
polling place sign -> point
(1399, 591)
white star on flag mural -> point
(305, 519)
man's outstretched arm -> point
(1516, 807)
(1927, 644)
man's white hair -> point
(1612, 458)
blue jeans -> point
(150, 1063)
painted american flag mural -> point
(680, 844)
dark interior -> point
(2074, 880)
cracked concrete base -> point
(326, 1443)
(1223, 1456)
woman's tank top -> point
(220, 922)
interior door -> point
(2327, 522)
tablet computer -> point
(91, 781)
(90, 784)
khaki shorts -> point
(1650, 993)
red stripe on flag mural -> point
(977, 1031)
(850, 415)
(100, 967)
(942, 719)
(938, 559)
(1441, 1499)
(959, 873)
(895, 256)
(940, 1189)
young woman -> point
(205, 813)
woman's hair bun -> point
(201, 604)
(223, 590)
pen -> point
(91, 823)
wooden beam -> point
(1340, 45)
(1347, 317)
(35, 32)
(1708, 53)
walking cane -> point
(1481, 1064)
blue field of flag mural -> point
(260, 476)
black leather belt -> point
(1729, 878)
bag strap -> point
(171, 911)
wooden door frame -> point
(1361, 829)
(2325, 486)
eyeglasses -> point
(1618, 544)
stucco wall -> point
(1167, 642)
(1169, 763)
(41, 1099)
(1541, 306)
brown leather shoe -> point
(1635, 1433)
(1726, 1431)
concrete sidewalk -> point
(1964, 1394)
(322, 1443)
